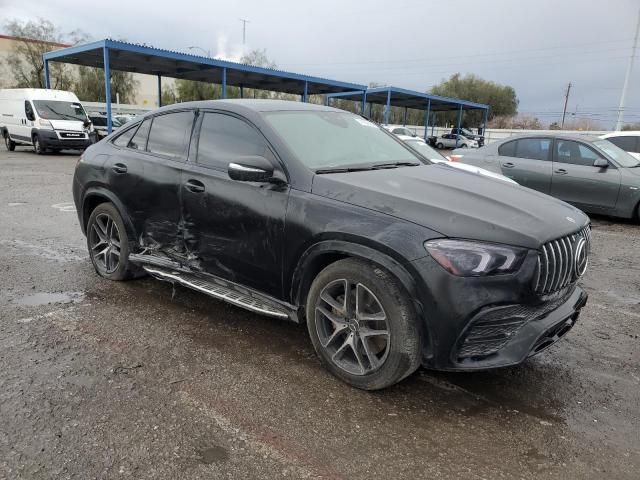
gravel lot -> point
(138, 380)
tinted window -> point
(99, 121)
(568, 151)
(139, 140)
(507, 149)
(170, 134)
(123, 139)
(28, 110)
(628, 144)
(533, 148)
(223, 138)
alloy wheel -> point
(105, 243)
(352, 327)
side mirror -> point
(251, 169)
(601, 163)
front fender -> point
(95, 192)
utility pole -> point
(625, 86)
(244, 30)
(566, 100)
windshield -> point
(58, 110)
(336, 139)
(621, 157)
(426, 151)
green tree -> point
(89, 85)
(501, 98)
(25, 60)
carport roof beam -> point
(401, 97)
(131, 57)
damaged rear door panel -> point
(232, 229)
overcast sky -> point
(536, 46)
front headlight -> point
(466, 258)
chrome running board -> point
(221, 290)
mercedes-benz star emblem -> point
(581, 256)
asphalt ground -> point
(139, 380)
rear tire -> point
(363, 324)
(464, 145)
(10, 144)
(439, 145)
(108, 243)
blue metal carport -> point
(400, 97)
(135, 58)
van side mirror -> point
(601, 163)
(252, 168)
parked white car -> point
(403, 133)
(448, 140)
(628, 141)
(42, 118)
(433, 155)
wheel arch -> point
(93, 197)
(325, 252)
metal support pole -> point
(326, 100)
(364, 103)
(406, 111)
(305, 92)
(458, 125)
(426, 120)
(433, 123)
(484, 124)
(47, 80)
(159, 91)
(224, 83)
(107, 86)
(241, 91)
(387, 108)
(371, 111)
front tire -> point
(363, 324)
(37, 146)
(108, 243)
(439, 145)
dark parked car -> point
(465, 132)
(590, 173)
(317, 215)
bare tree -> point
(34, 38)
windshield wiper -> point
(377, 166)
(320, 171)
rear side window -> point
(139, 140)
(533, 148)
(507, 149)
(568, 151)
(122, 140)
(626, 143)
(224, 138)
(170, 135)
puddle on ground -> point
(215, 454)
(45, 298)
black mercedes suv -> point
(316, 215)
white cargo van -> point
(45, 119)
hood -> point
(71, 125)
(456, 203)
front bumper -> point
(50, 139)
(489, 322)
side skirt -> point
(243, 297)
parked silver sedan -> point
(593, 174)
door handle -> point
(560, 171)
(119, 168)
(508, 165)
(195, 186)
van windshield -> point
(59, 110)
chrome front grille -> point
(561, 262)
